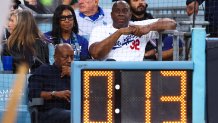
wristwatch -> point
(53, 94)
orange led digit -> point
(148, 97)
(181, 98)
(86, 95)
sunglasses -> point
(64, 18)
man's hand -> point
(126, 30)
(140, 30)
(190, 8)
(146, 29)
(65, 71)
(63, 95)
(132, 29)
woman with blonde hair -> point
(25, 43)
(12, 22)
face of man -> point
(64, 55)
(138, 7)
(86, 6)
(66, 20)
(120, 14)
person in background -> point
(14, 9)
(139, 13)
(138, 8)
(40, 8)
(66, 2)
(52, 83)
(65, 30)
(25, 43)
(121, 41)
(12, 22)
(90, 15)
(211, 13)
(15, 5)
(48, 8)
(75, 4)
(72, 3)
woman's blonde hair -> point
(25, 33)
(15, 13)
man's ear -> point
(55, 57)
(112, 16)
(96, 2)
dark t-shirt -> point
(145, 17)
(48, 78)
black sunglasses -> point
(69, 17)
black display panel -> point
(124, 96)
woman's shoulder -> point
(41, 46)
(45, 68)
(48, 37)
(40, 42)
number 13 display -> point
(124, 96)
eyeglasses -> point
(64, 18)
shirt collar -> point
(71, 40)
(95, 16)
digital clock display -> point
(136, 96)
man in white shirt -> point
(123, 41)
(90, 15)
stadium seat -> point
(33, 110)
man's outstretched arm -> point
(163, 24)
(160, 25)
